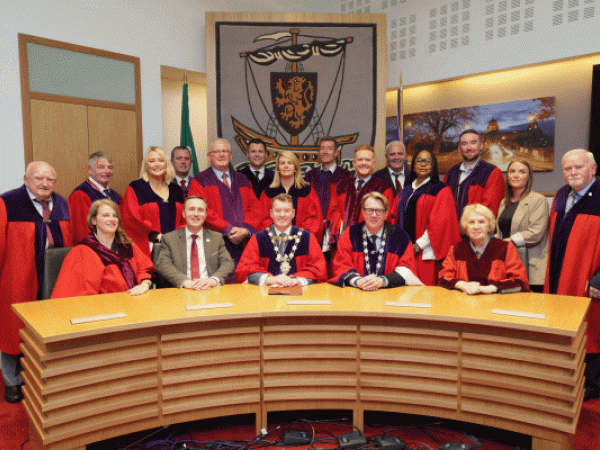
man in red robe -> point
(575, 249)
(346, 197)
(32, 218)
(374, 254)
(474, 180)
(181, 158)
(100, 172)
(233, 209)
(283, 254)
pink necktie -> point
(226, 181)
(46, 217)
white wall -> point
(159, 32)
(171, 33)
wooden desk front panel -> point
(406, 367)
(90, 389)
(162, 364)
(207, 370)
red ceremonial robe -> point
(484, 185)
(429, 208)
(145, 213)
(575, 253)
(350, 255)
(499, 265)
(22, 251)
(79, 203)
(84, 273)
(345, 204)
(260, 257)
(306, 203)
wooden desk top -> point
(50, 319)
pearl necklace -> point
(366, 253)
(284, 260)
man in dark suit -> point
(181, 158)
(194, 257)
(257, 173)
(396, 171)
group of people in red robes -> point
(473, 231)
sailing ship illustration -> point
(291, 119)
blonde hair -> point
(169, 175)
(298, 178)
(477, 208)
(120, 235)
(375, 196)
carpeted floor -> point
(229, 431)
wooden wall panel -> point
(60, 137)
(114, 131)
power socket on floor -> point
(387, 442)
(352, 440)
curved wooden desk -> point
(163, 364)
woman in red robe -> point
(481, 263)
(427, 212)
(106, 260)
(289, 180)
(152, 205)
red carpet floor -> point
(14, 431)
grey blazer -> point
(172, 259)
(530, 225)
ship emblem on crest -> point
(295, 118)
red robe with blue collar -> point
(350, 255)
(484, 185)
(306, 203)
(145, 212)
(574, 254)
(429, 208)
(22, 250)
(80, 201)
(345, 205)
(260, 257)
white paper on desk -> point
(309, 302)
(209, 306)
(519, 314)
(409, 304)
(97, 318)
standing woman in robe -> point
(427, 212)
(152, 205)
(289, 180)
(523, 220)
(106, 260)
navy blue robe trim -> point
(20, 208)
(266, 250)
(167, 210)
(94, 194)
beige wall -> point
(171, 114)
(569, 81)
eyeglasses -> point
(425, 162)
(374, 211)
(219, 152)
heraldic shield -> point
(294, 97)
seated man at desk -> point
(374, 254)
(194, 257)
(282, 255)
